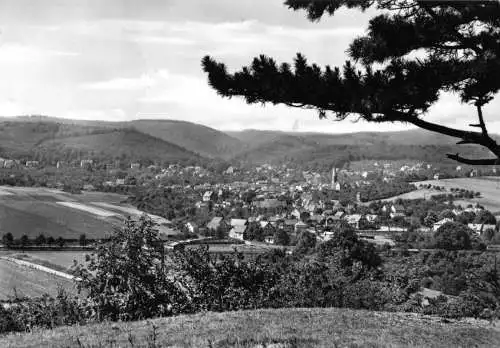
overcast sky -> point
(129, 59)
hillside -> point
(193, 137)
(271, 328)
(313, 149)
(46, 139)
(167, 140)
(18, 138)
(124, 143)
(254, 137)
(203, 140)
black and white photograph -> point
(249, 173)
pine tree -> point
(385, 80)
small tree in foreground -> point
(412, 52)
(126, 278)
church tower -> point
(335, 185)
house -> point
(120, 181)
(436, 176)
(238, 222)
(300, 227)
(355, 220)
(208, 196)
(86, 163)
(316, 219)
(216, 223)
(397, 211)
(269, 239)
(269, 204)
(287, 225)
(191, 227)
(339, 214)
(238, 228)
(135, 166)
(480, 228)
(32, 164)
(268, 228)
(440, 223)
(371, 218)
(88, 187)
(295, 213)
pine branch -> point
(474, 162)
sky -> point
(120, 60)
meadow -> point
(488, 186)
(58, 260)
(34, 211)
(316, 327)
(20, 281)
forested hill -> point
(50, 138)
(320, 149)
(51, 141)
(196, 138)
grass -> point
(271, 328)
(57, 260)
(33, 211)
(488, 186)
(63, 259)
(16, 280)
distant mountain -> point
(27, 138)
(252, 137)
(167, 140)
(204, 140)
(320, 149)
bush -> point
(46, 312)
(452, 236)
(126, 278)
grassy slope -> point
(28, 282)
(290, 327)
(488, 186)
(34, 218)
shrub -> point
(126, 278)
(452, 236)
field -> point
(417, 194)
(58, 260)
(33, 211)
(271, 328)
(25, 282)
(488, 186)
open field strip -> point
(39, 267)
(4, 192)
(60, 258)
(89, 209)
(489, 187)
(132, 211)
(22, 281)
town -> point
(388, 203)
